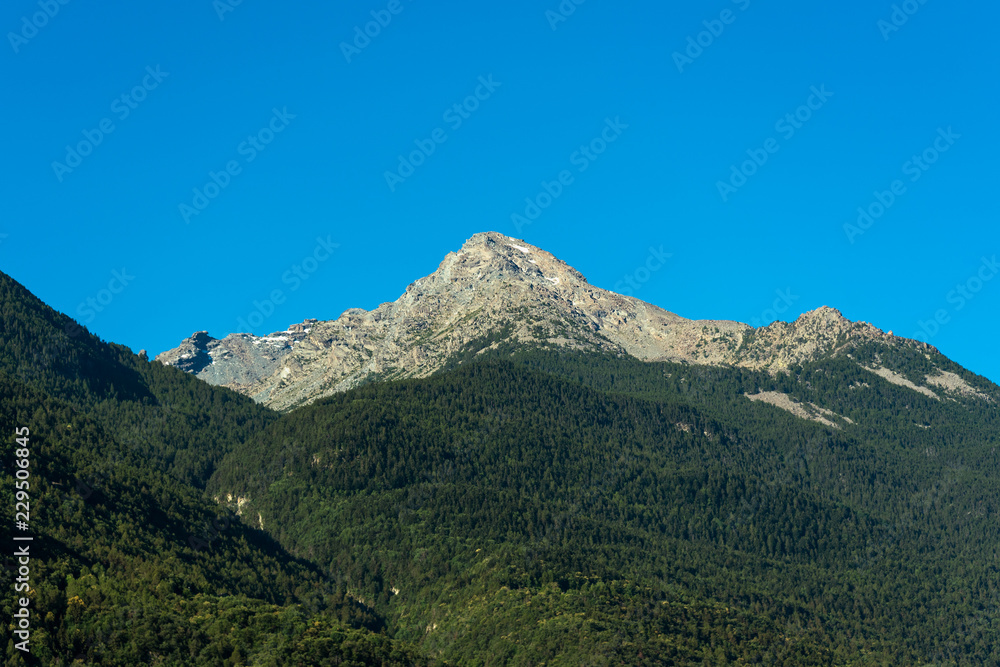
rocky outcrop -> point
(494, 288)
(237, 361)
(952, 383)
(809, 411)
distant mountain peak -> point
(498, 242)
(825, 313)
(238, 360)
(498, 289)
(493, 252)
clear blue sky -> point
(889, 95)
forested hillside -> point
(523, 506)
(575, 508)
(179, 425)
(130, 563)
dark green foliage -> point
(166, 417)
(129, 564)
(553, 474)
(521, 507)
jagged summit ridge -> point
(238, 360)
(496, 288)
(493, 283)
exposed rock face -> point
(495, 289)
(809, 411)
(897, 379)
(951, 382)
(239, 360)
(813, 334)
(492, 284)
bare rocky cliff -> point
(237, 361)
(498, 289)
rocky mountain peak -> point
(825, 314)
(491, 256)
(200, 339)
(239, 359)
(497, 289)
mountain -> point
(573, 507)
(237, 361)
(498, 291)
(130, 563)
(545, 492)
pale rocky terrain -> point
(499, 289)
(951, 382)
(238, 360)
(947, 381)
(897, 379)
(809, 411)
